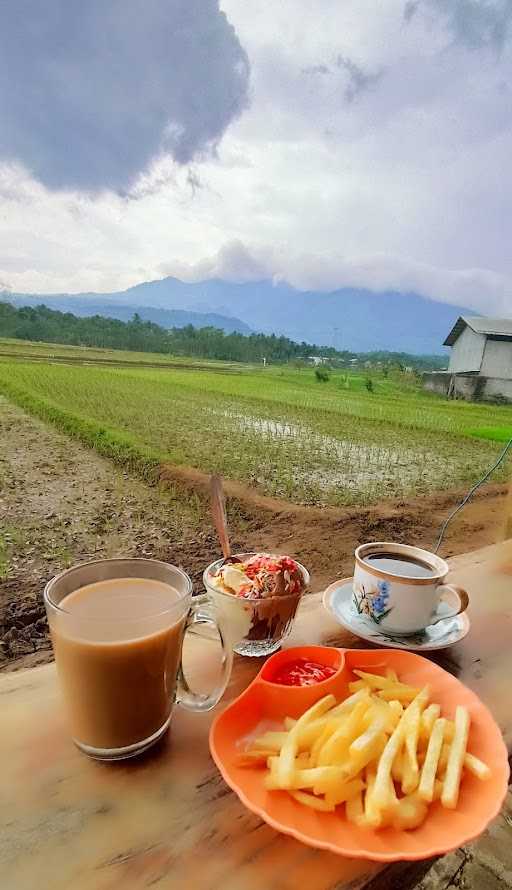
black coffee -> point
(400, 565)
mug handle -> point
(447, 592)
(204, 613)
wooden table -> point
(168, 820)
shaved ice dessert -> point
(257, 595)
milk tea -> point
(117, 646)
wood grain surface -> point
(168, 820)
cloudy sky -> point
(327, 142)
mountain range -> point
(353, 319)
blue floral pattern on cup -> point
(372, 602)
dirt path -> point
(60, 503)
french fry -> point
(393, 745)
(456, 757)
(366, 741)
(428, 718)
(344, 792)
(476, 767)
(360, 755)
(386, 685)
(385, 763)
(409, 813)
(376, 681)
(410, 770)
(450, 730)
(397, 766)
(372, 811)
(253, 757)
(309, 778)
(346, 706)
(272, 741)
(438, 790)
(421, 699)
(337, 745)
(429, 770)
(392, 797)
(355, 810)
(289, 750)
(391, 675)
(396, 706)
(400, 693)
(381, 818)
(443, 759)
(356, 685)
(272, 763)
(325, 778)
(325, 734)
(307, 735)
(381, 713)
(410, 776)
(309, 800)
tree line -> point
(49, 325)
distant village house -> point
(318, 359)
(480, 365)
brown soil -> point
(61, 503)
(324, 538)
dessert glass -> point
(254, 627)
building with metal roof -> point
(480, 364)
(500, 328)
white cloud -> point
(474, 23)
(378, 272)
(386, 170)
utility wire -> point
(470, 494)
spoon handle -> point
(218, 508)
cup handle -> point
(205, 613)
(446, 593)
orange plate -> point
(264, 704)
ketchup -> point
(302, 673)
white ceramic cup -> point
(400, 603)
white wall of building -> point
(496, 386)
(497, 359)
(470, 388)
(467, 352)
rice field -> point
(277, 429)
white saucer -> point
(337, 599)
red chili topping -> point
(303, 673)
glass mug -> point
(117, 629)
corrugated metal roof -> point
(497, 327)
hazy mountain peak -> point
(347, 318)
